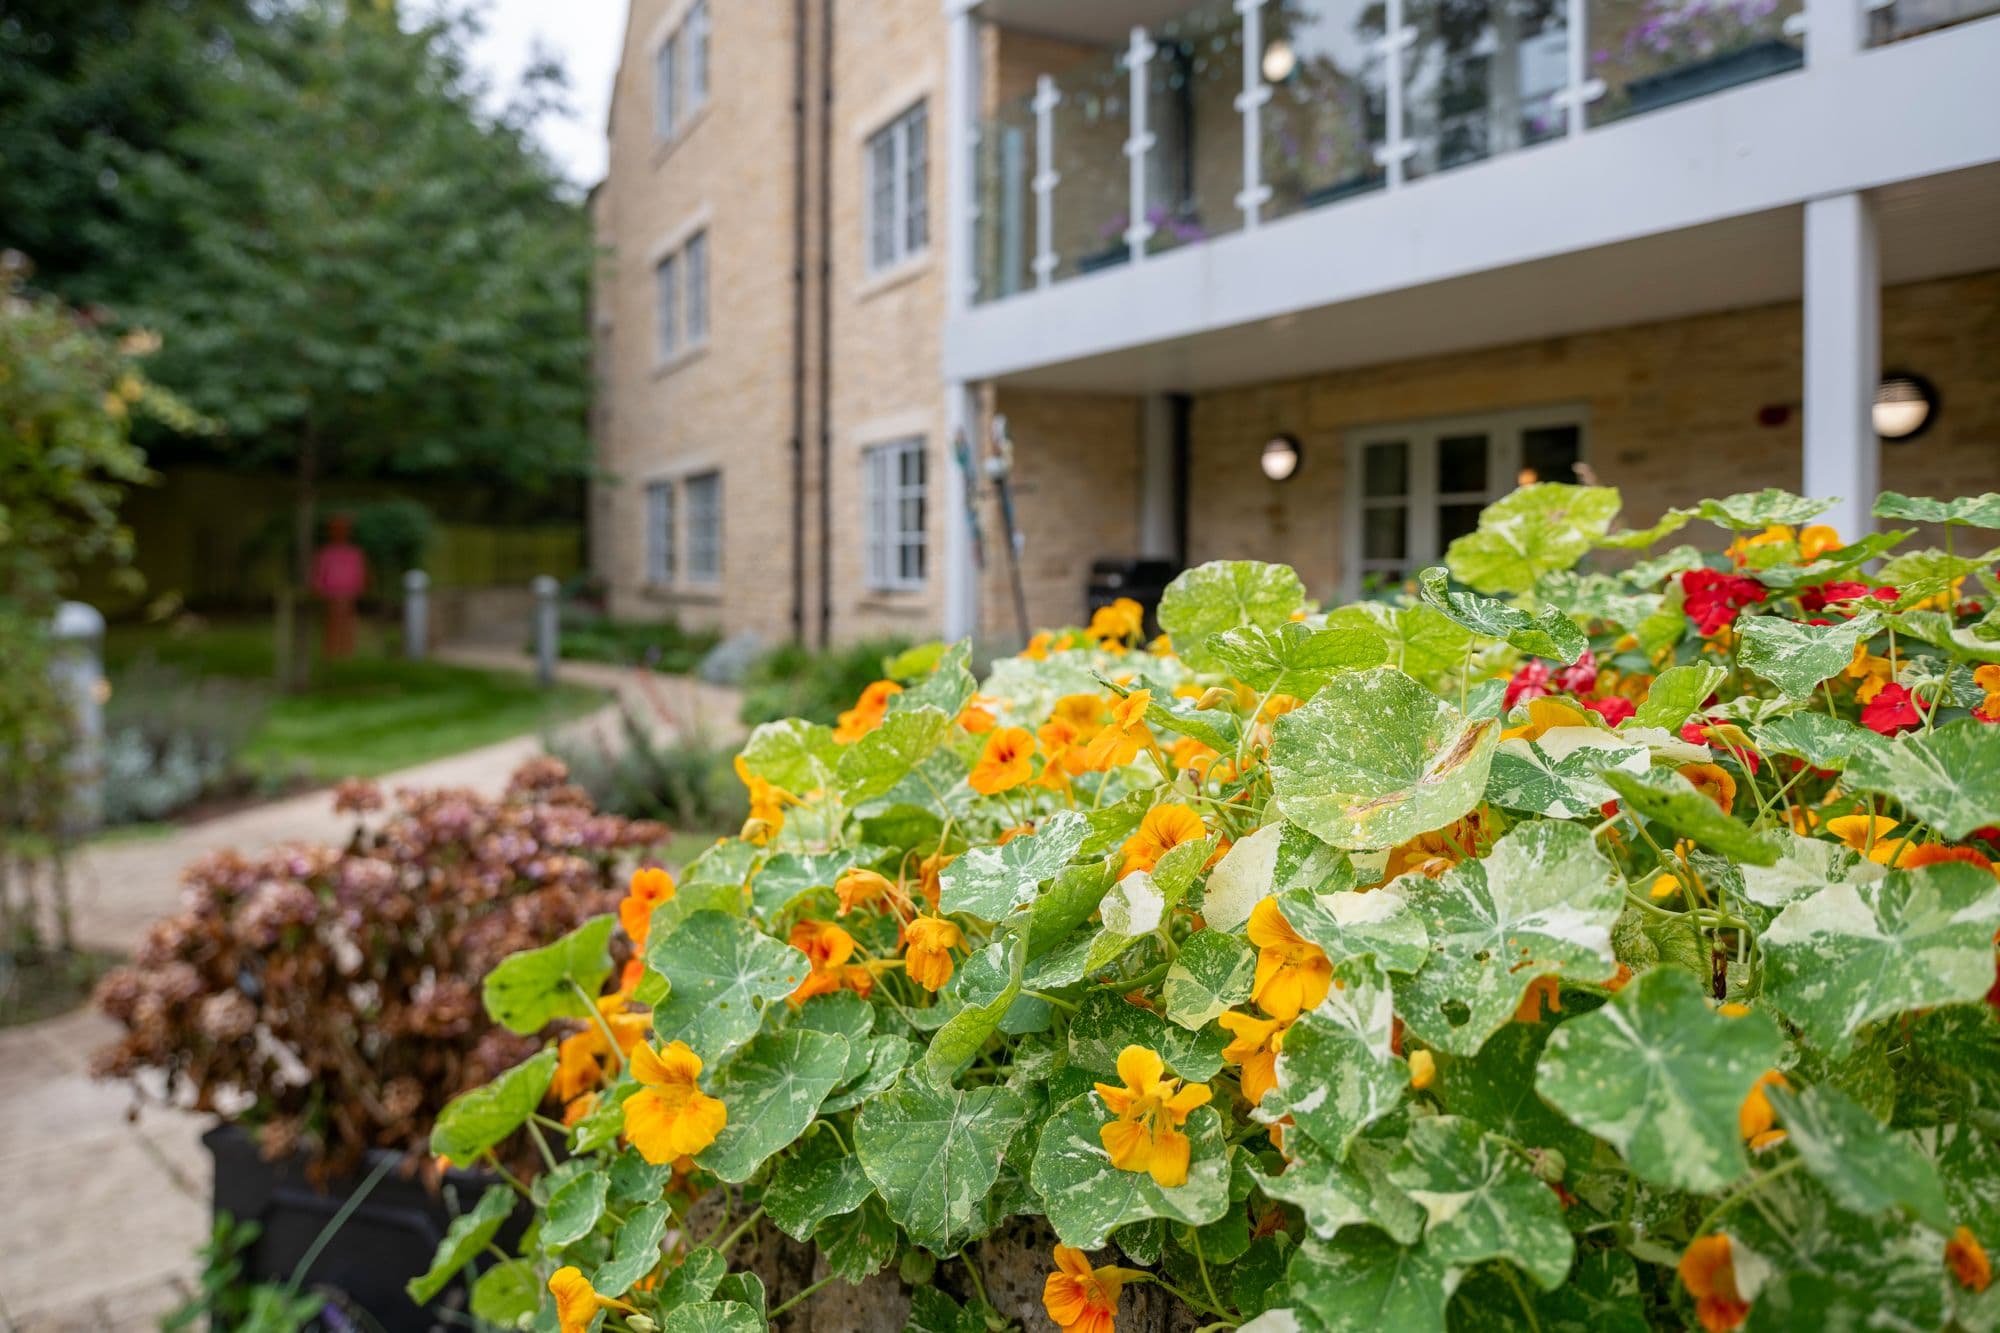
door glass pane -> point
(1383, 533)
(1550, 453)
(1385, 470)
(1462, 464)
(1456, 521)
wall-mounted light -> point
(1280, 458)
(1279, 61)
(1905, 406)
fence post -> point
(416, 614)
(547, 628)
(77, 669)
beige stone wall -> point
(727, 406)
(1673, 416)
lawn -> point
(370, 715)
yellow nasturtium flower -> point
(1082, 1299)
(1164, 827)
(670, 1117)
(1150, 1110)
(927, 959)
(1254, 1050)
(1005, 762)
(577, 1302)
(1120, 740)
(1293, 974)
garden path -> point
(102, 1209)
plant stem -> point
(801, 1296)
(1201, 1262)
(729, 1242)
(1739, 1195)
(972, 1271)
(541, 1145)
(1527, 1309)
(590, 1007)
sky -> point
(586, 35)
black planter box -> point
(385, 1242)
(1110, 257)
(1743, 65)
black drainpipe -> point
(826, 324)
(799, 320)
(1180, 409)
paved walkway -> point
(102, 1213)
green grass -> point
(364, 717)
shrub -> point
(333, 991)
(1547, 947)
(172, 739)
(685, 782)
(662, 646)
(793, 680)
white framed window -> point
(1413, 486)
(667, 307)
(898, 185)
(703, 493)
(696, 29)
(660, 561)
(893, 477)
(667, 87)
(695, 253)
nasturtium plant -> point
(1566, 941)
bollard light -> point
(548, 628)
(416, 614)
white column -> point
(1250, 106)
(1835, 30)
(955, 499)
(1582, 89)
(1047, 99)
(961, 208)
(1843, 342)
(1138, 229)
(1397, 38)
(1156, 477)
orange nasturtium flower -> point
(1815, 540)
(1005, 763)
(1932, 853)
(1121, 739)
(577, 1302)
(767, 805)
(1867, 834)
(1082, 1299)
(1164, 827)
(1254, 1050)
(1423, 1069)
(927, 958)
(1987, 678)
(827, 947)
(670, 1117)
(859, 887)
(1431, 854)
(1124, 621)
(582, 1058)
(1544, 989)
(868, 711)
(1151, 1108)
(650, 887)
(1755, 1118)
(1709, 1274)
(1712, 781)
(1739, 550)
(1292, 973)
(1967, 1260)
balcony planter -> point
(1745, 64)
(1362, 182)
(1109, 257)
(387, 1240)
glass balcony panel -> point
(1655, 53)
(1093, 199)
(1195, 170)
(1908, 18)
(1328, 110)
(1481, 79)
(1004, 230)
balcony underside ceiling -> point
(1094, 22)
(1933, 227)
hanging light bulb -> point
(1281, 457)
(1279, 61)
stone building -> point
(1302, 280)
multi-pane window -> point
(899, 223)
(704, 527)
(660, 532)
(667, 306)
(680, 72)
(1415, 487)
(696, 256)
(893, 476)
(695, 30)
(667, 87)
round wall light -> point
(1280, 458)
(1279, 61)
(1905, 406)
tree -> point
(354, 270)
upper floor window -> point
(667, 306)
(1415, 486)
(660, 532)
(898, 179)
(680, 72)
(704, 527)
(695, 255)
(894, 484)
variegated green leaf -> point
(1551, 633)
(1864, 1164)
(819, 1181)
(1666, 796)
(1363, 1282)
(1224, 595)
(772, 1089)
(991, 882)
(1949, 778)
(1212, 973)
(1797, 657)
(1761, 509)
(636, 1251)
(1086, 1196)
(1482, 1200)
(1295, 659)
(530, 989)
(464, 1240)
(934, 1153)
(1820, 740)
(1378, 924)
(1532, 531)
(1675, 694)
(1107, 1023)
(798, 756)
(1560, 774)
(1336, 1073)
(882, 758)
(1335, 1194)
(721, 972)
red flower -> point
(1530, 682)
(1893, 709)
(1614, 709)
(1712, 599)
(1580, 678)
(1819, 598)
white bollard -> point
(416, 614)
(77, 670)
(548, 628)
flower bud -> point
(917, 1268)
(639, 1323)
(756, 830)
(1550, 1165)
(1215, 696)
